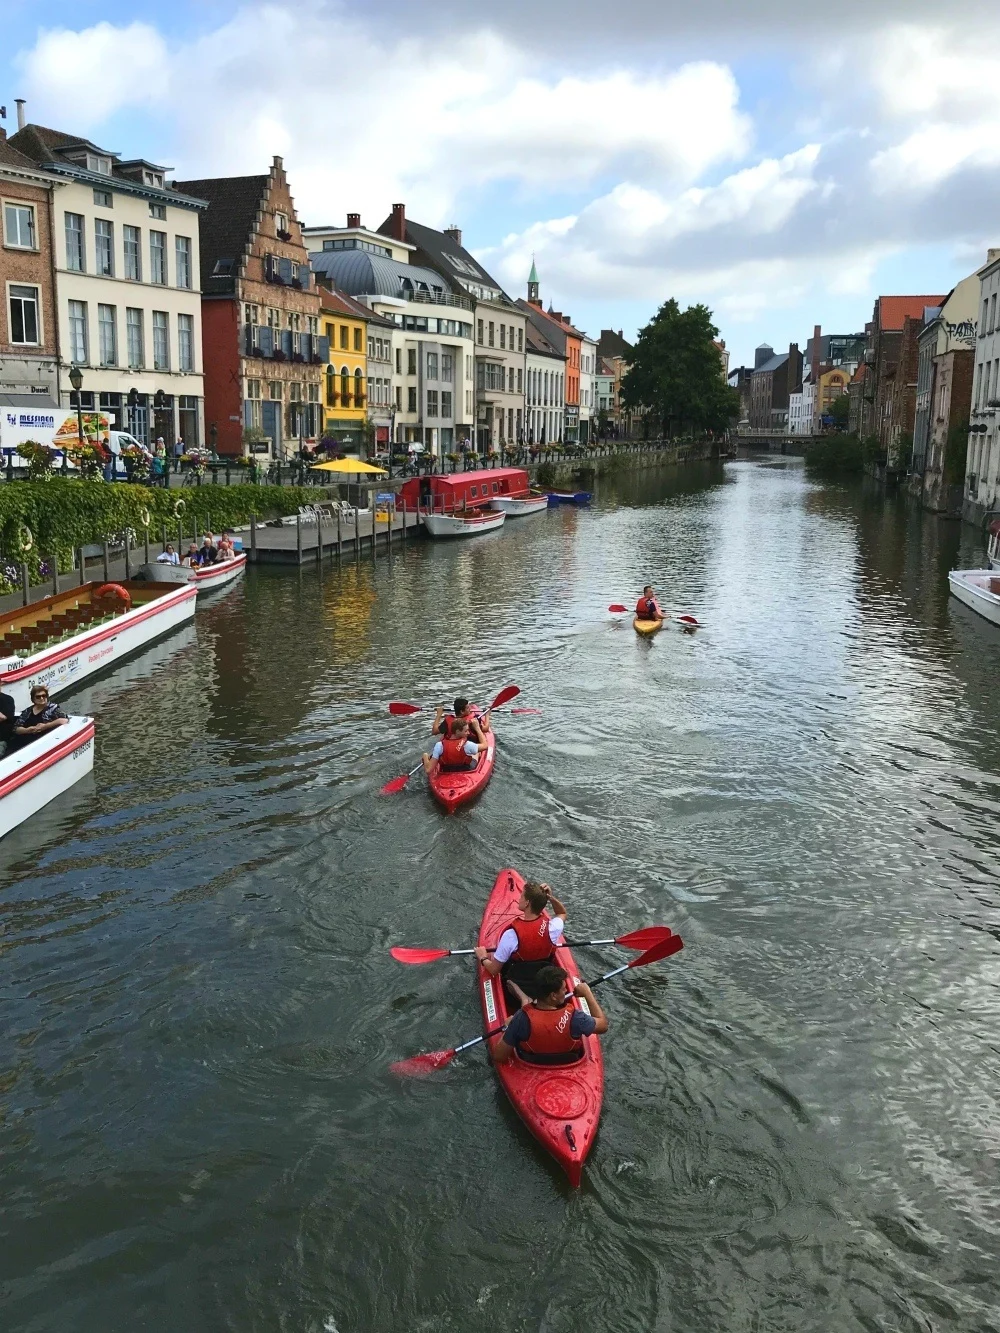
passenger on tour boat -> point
(168, 556)
(550, 1031)
(209, 551)
(8, 716)
(444, 723)
(40, 718)
(226, 550)
(529, 943)
(456, 751)
(647, 607)
(193, 558)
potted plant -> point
(39, 457)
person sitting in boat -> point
(209, 551)
(529, 943)
(8, 716)
(193, 558)
(39, 718)
(226, 550)
(456, 751)
(168, 556)
(444, 723)
(647, 607)
(551, 1030)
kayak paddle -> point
(399, 709)
(617, 609)
(519, 712)
(689, 622)
(397, 784)
(645, 938)
(420, 1065)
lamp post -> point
(76, 379)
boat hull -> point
(458, 787)
(569, 498)
(453, 525)
(647, 628)
(520, 507)
(67, 664)
(559, 1104)
(35, 775)
(209, 579)
(975, 587)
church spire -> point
(533, 282)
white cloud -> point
(82, 78)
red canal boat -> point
(560, 1104)
(449, 493)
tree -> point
(839, 409)
(676, 373)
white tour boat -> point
(519, 506)
(43, 770)
(61, 640)
(207, 579)
(979, 589)
(468, 524)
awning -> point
(350, 465)
(28, 400)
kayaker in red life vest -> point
(464, 712)
(647, 607)
(550, 1031)
(528, 943)
(456, 751)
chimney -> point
(21, 121)
(398, 226)
(817, 338)
(455, 233)
(763, 353)
(354, 219)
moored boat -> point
(470, 524)
(62, 640)
(647, 628)
(456, 787)
(978, 589)
(519, 506)
(569, 498)
(39, 772)
(207, 579)
(560, 1104)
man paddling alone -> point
(529, 943)
(647, 607)
(551, 1031)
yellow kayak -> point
(647, 627)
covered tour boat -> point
(62, 640)
(37, 773)
(978, 589)
(463, 499)
(207, 579)
(456, 787)
(560, 1104)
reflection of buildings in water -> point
(348, 601)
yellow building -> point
(833, 382)
(345, 403)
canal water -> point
(198, 1129)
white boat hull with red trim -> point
(462, 525)
(208, 579)
(978, 589)
(67, 663)
(35, 775)
(520, 506)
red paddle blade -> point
(617, 608)
(516, 712)
(397, 784)
(422, 1066)
(665, 949)
(688, 620)
(403, 955)
(403, 710)
(646, 938)
(511, 692)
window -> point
(399, 400)
(253, 388)
(78, 332)
(294, 321)
(984, 325)
(331, 387)
(104, 198)
(102, 165)
(432, 365)
(510, 381)
(24, 323)
(275, 391)
(273, 318)
(491, 333)
(399, 361)
(359, 389)
(474, 491)
(503, 335)
(468, 367)
(185, 342)
(432, 402)
(344, 337)
(158, 211)
(161, 340)
(75, 259)
(993, 312)
(411, 361)
(371, 347)
(374, 396)
(357, 340)
(447, 367)
(520, 381)
(280, 223)
(251, 313)
(295, 391)
(132, 238)
(479, 331)
(520, 340)
(182, 261)
(19, 226)
(187, 418)
(312, 392)
(107, 339)
(133, 336)
(158, 257)
(446, 403)
(411, 400)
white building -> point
(127, 287)
(588, 374)
(801, 409)
(983, 459)
(545, 392)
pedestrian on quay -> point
(179, 448)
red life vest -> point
(550, 1032)
(453, 753)
(447, 723)
(534, 944)
(646, 608)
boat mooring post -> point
(146, 546)
(83, 567)
(371, 503)
(340, 542)
(128, 556)
(55, 575)
(298, 537)
(253, 539)
(357, 536)
(107, 567)
(25, 585)
(319, 537)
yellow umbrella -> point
(352, 465)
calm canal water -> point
(197, 1126)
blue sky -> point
(779, 166)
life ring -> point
(179, 507)
(115, 590)
(25, 539)
(145, 517)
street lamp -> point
(76, 379)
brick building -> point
(888, 401)
(771, 385)
(29, 341)
(264, 355)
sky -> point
(782, 163)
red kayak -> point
(454, 787)
(560, 1104)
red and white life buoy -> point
(115, 590)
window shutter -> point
(304, 276)
(286, 341)
(265, 337)
(285, 271)
(323, 347)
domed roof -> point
(362, 274)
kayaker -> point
(647, 607)
(464, 712)
(550, 1031)
(529, 942)
(456, 751)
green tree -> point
(676, 372)
(839, 409)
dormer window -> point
(153, 178)
(102, 165)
